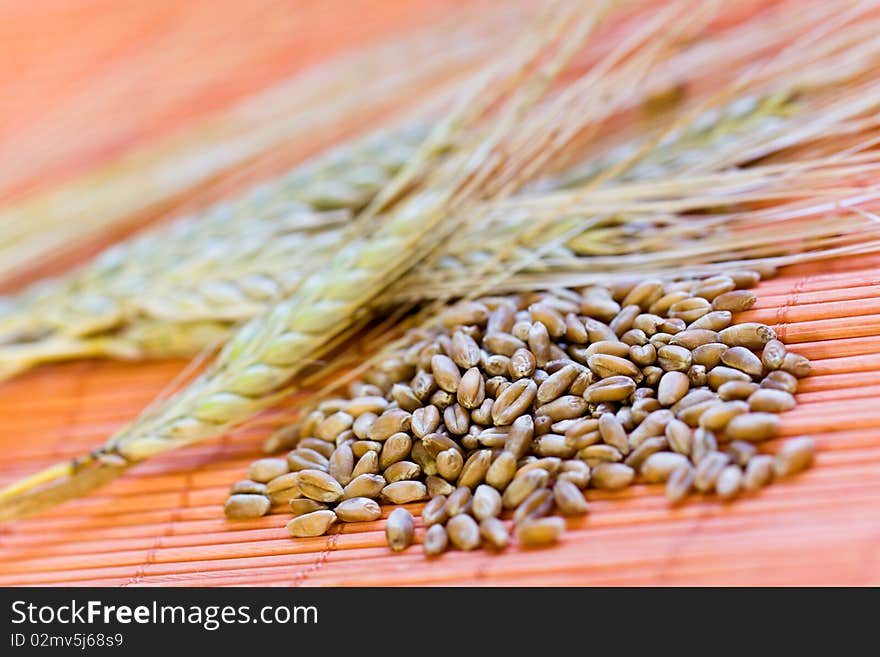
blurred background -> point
(99, 97)
(84, 82)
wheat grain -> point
(217, 268)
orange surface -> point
(162, 524)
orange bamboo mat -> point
(162, 524)
(64, 64)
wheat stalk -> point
(259, 362)
(255, 367)
(223, 265)
(182, 288)
(267, 130)
(246, 267)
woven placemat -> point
(163, 523)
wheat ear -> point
(260, 361)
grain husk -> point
(311, 524)
(341, 464)
(780, 380)
(302, 505)
(741, 452)
(404, 492)
(463, 531)
(248, 486)
(435, 540)
(539, 532)
(611, 476)
(679, 483)
(502, 471)
(399, 530)
(734, 301)
(358, 509)
(438, 486)
(744, 360)
(773, 355)
(367, 464)
(759, 472)
(474, 470)
(673, 386)
(246, 505)
(264, 470)
(708, 470)
(401, 471)
(753, 427)
(614, 388)
(522, 486)
(514, 401)
(794, 456)
(284, 488)
(751, 335)
(771, 401)
(679, 436)
(729, 483)
(734, 390)
(364, 485)
(538, 504)
(569, 499)
(319, 486)
(459, 501)
(657, 467)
